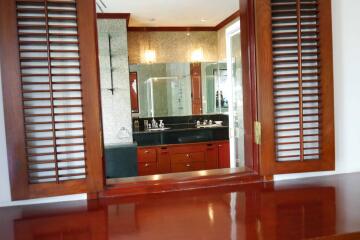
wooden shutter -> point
(295, 75)
(51, 97)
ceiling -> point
(173, 13)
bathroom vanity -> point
(174, 158)
(183, 146)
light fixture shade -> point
(197, 55)
(150, 56)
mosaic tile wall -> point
(116, 107)
(172, 47)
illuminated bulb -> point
(197, 55)
(150, 56)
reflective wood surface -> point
(314, 208)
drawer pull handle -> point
(188, 165)
(188, 155)
(146, 151)
(147, 165)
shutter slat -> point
(52, 90)
(296, 79)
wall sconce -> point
(197, 55)
(150, 56)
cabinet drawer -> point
(188, 157)
(146, 155)
(147, 168)
(187, 166)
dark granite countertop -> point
(180, 130)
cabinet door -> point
(149, 168)
(224, 155)
(164, 160)
(295, 80)
(187, 166)
(212, 156)
(146, 155)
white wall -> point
(4, 176)
(346, 39)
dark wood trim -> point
(264, 73)
(327, 85)
(12, 96)
(137, 93)
(247, 29)
(114, 16)
(196, 88)
(90, 76)
(228, 20)
(171, 29)
(99, 99)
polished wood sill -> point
(174, 182)
(312, 208)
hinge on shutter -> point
(257, 130)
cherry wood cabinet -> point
(147, 155)
(163, 160)
(224, 155)
(183, 157)
(147, 168)
(212, 156)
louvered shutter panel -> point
(296, 85)
(62, 147)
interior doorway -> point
(236, 113)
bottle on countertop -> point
(136, 125)
(154, 123)
(161, 124)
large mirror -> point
(165, 89)
(171, 87)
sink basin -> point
(209, 126)
(157, 129)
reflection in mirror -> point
(172, 82)
(172, 95)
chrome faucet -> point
(154, 124)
